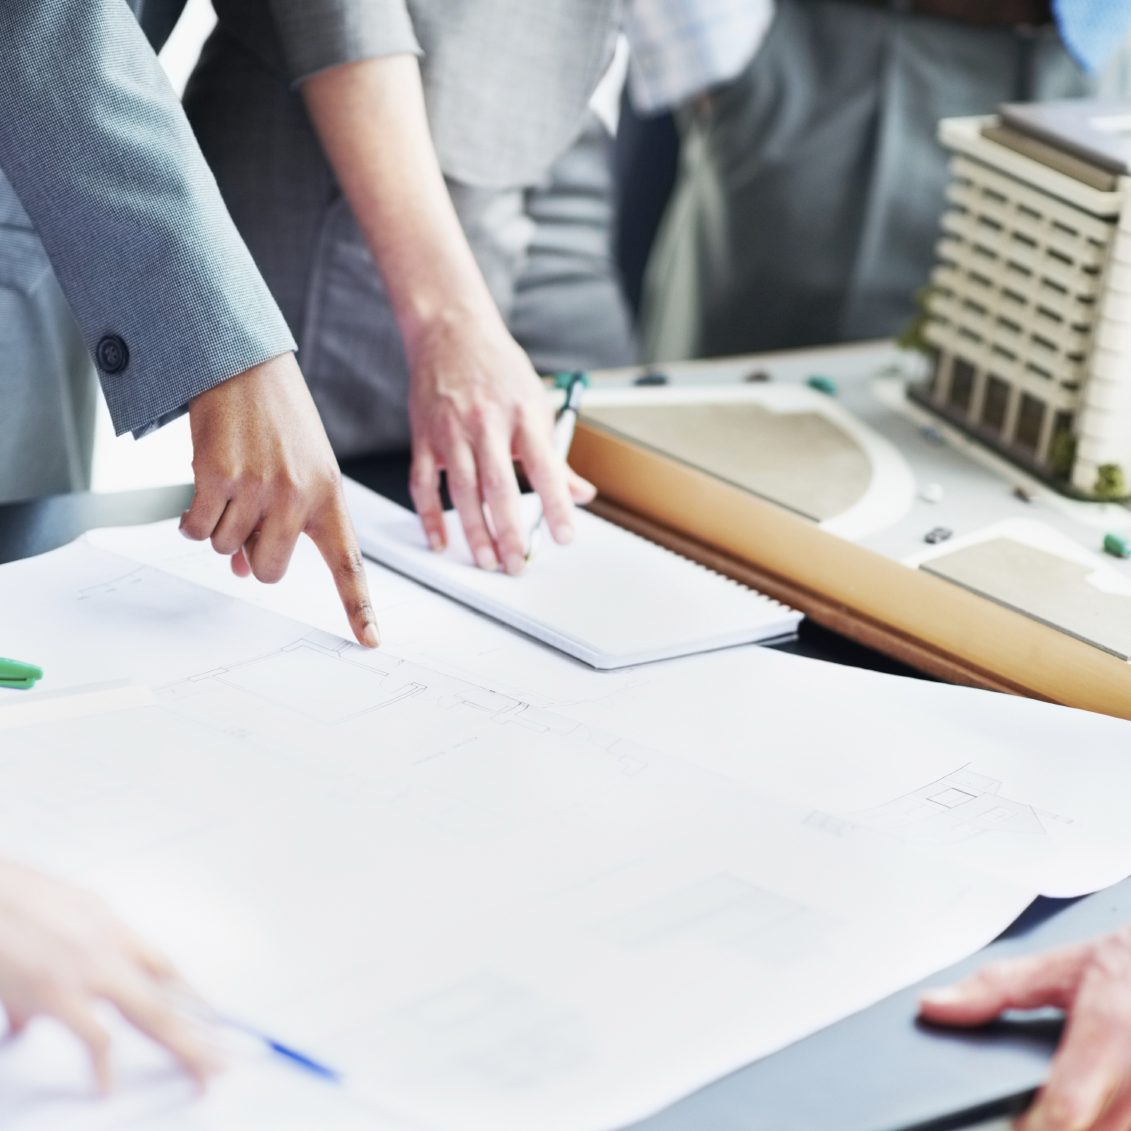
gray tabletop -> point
(881, 1070)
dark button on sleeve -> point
(112, 354)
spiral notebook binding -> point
(771, 601)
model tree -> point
(1110, 482)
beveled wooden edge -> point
(913, 616)
(881, 637)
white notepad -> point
(611, 599)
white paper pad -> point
(610, 598)
(559, 907)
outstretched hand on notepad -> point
(477, 406)
(62, 952)
(265, 474)
(1089, 1085)
(475, 402)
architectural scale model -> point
(1029, 308)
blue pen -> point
(301, 1060)
(204, 1012)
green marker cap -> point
(1117, 545)
(18, 675)
(566, 378)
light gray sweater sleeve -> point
(316, 34)
(95, 143)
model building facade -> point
(1029, 310)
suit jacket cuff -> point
(97, 148)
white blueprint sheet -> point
(494, 888)
(1000, 782)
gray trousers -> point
(546, 255)
(810, 190)
(47, 381)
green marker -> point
(1117, 546)
(19, 676)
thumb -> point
(581, 491)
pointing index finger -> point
(334, 536)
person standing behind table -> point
(811, 185)
(115, 194)
(426, 189)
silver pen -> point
(563, 437)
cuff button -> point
(112, 354)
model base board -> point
(870, 467)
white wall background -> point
(121, 463)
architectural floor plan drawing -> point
(750, 715)
(492, 906)
(962, 806)
(316, 679)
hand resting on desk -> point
(1089, 1085)
(62, 951)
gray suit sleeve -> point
(97, 147)
(316, 34)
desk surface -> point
(922, 1075)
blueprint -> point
(842, 741)
(493, 888)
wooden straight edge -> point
(907, 613)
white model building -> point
(1029, 308)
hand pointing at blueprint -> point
(264, 475)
